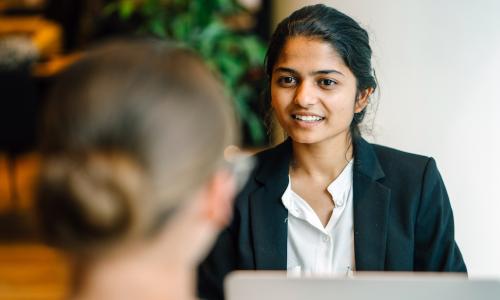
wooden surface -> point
(32, 271)
(28, 270)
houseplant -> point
(207, 27)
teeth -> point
(308, 118)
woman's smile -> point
(307, 120)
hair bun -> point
(89, 199)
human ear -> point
(363, 99)
(218, 198)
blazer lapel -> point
(371, 201)
(268, 216)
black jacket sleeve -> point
(435, 246)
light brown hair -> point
(128, 133)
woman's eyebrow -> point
(326, 72)
(292, 71)
(285, 70)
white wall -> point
(438, 63)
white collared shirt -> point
(312, 248)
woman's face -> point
(313, 92)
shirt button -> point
(326, 238)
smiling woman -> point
(314, 96)
(326, 201)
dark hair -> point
(341, 31)
(123, 142)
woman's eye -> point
(327, 82)
(287, 81)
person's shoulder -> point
(385, 152)
(273, 157)
(401, 160)
(269, 162)
(405, 169)
(274, 151)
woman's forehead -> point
(311, 54)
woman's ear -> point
(217, 198)
(362, 99)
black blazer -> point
(402, 218)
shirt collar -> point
(337, 189)
(341, 185)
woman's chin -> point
(303, 139)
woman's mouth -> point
(308, 118)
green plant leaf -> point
(226, 6)
(150, 7)
(254, 50)
(157, 28)
(209, 36)
(248, 116)
(256, 129)
(125, 9)
(230, 67)
(181, 27)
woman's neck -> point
(322, 160)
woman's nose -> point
(305, 95)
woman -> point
(134, 186)
(325, 200)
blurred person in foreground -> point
(134, 185)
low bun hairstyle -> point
(128, 133)
(343, 33)
(97, 195)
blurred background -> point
(437, 64)
(40, 38)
